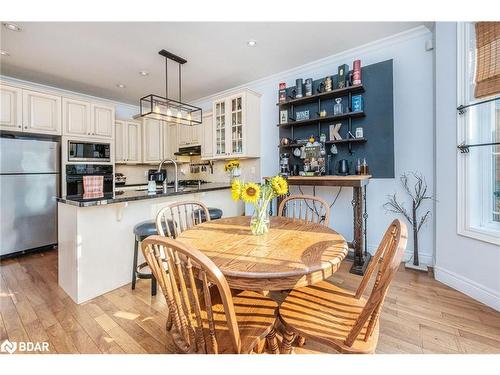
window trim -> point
(464, 225)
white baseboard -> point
(474, 290)
(423, 257)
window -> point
(478, 170)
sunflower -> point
(236, 187)
(250, 193)
(231, 164)
(279, 184)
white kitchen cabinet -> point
(85, 119)
(120, 142)
(133, 142)
(152, 140)
(76, 117)
(196, 134)
(103, 118)
(236, 125)
(45, 112)
(128, 142)
(41, 113)
(188, 135)
(183, 135)
(11, 109)
(207, 151)
(170, 145)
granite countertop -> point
(134, 195)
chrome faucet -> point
(176, 178)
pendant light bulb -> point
(169, 112)
(179, 116)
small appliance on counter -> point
(284, 166)
(343, 167)
(120, 179)
(158, 177)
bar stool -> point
(215, 213)
(142, 231)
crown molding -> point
(292, 73)
(29, 85)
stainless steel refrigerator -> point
(29, 184)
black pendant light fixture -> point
(170, 110)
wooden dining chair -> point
(337, 317)
(305, 207)
(177, 217)
(203, 319)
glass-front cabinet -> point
(220, 128)
(236, 125)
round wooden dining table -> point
(292, 254)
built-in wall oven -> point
(80, 151)
(74, 179)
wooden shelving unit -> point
(320, 98)
(348, 140)
(356, 89)
(331, 118)
(292, 145)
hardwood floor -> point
(420, 315)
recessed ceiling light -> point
(11, 26)
(4, 53)
(252, 43)
(143, 73)
(120, 85)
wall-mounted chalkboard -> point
(377, 123)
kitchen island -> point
(96, 240)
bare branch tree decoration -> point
(418, 194)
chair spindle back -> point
(305, 208)
(387, 259)
(186, 287)
(175, 218)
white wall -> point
(413, 126)
(466, 264)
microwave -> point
(79, 151)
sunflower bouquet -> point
(260, 195)
(232, 168)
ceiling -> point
(93, 57)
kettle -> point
(343, 167)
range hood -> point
(189, 151)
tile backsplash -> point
(137, 174)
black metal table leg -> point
(361, 256)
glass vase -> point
(260, 222)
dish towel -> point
(93, 187)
